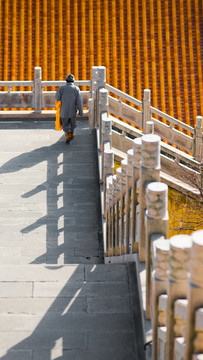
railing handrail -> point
(11, 84)
(44, 83)
(158, 112)
(123, 95)
(173, 120)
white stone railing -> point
(135, 219)
(37, 98)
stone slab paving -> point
(49, 195)
(57, 298)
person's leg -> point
(73, 126)
(66, 125)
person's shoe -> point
(72, 135)
(68, 138)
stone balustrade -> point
(137, 221)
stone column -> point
(159, 278)
(195, 290)
(156, 223)
(146, 109)
(38, 90)
(179, 260)
(149, 171)
(118, 210)
(123, 203)
(136, 174)
(129, 182)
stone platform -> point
(57, 298)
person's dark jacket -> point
(71, 100)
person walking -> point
(71, 101)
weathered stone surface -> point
(50, 219)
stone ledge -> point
(22, 114)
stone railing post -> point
(195, 290)
(149, 171)
(109, 216)
(198, 145)
(136, 174)
(118, 210)
(91, 113)
(129, 182)
(98, 82)
(108, 169)
(156, 223)
(146, 109)
(159, 278)
(106, 131)
(179, 261)
(114, 195)
(123, 203)
(102, 109)
(38, 90)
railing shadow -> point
(68, 222)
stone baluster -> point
(195, 290)
(136, 173)
(91, 113)
(179, 260)
(129, 182)
(162, 329)
(162, 342)
(123, 203)
(198, 340)
(118, 210)
(108, 169)
(179, 348)
(107, 208)
(110, 216)
(180, 311)
(106, 131)
(159, 276)
(104, 121)
(114, 197)
(156, 223)
(38, 90)
(149, 171)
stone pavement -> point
(57, 298)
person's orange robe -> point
(58, 120)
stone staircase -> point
(57, 298)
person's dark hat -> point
(70, 78)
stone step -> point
(75, 311)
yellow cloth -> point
(58, 121)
